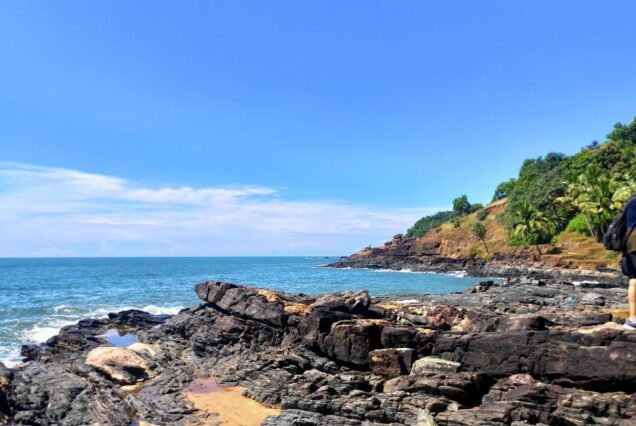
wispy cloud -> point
(47, 210)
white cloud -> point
(69, 212)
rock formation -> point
(510, 352)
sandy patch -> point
(229, 404)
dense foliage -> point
(461, 207)
(422, 226)
(580, 193)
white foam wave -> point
(49, 327)
(458, 274)
(10, 356)
(44, 330)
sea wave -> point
(51, 326)
(10, 356)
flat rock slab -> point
(431, 364)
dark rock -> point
(137, 319)
(243, 301)
(30, 352)
(529, 351)
(354, 303)
(6, 375)
(391, 362)
(351, 341)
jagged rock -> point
(5, 381)
(431, 364)
(121, 365)
(465, 388)
(391, 362)
(354, 303)
(529, 353)
(135, 319)
(243, 301)
(350, 341)
(30, 352)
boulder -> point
(465, 388)
(30, 351)
(121, 365)
(354, 303)
(431, 364)
(136, 319)
(351, 341)
(245, 302)
(5, 382)
(391, 362)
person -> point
(628, 263)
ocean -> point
(38, 296)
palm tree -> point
(530, 225)
(598, 197)
(480, 232)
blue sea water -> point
(38, 296)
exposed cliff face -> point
(448, 248)
(522, 350)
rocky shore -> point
(511, 352)
(401, 253)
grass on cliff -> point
(457, 241)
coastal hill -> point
(553, 214)
(571, 250)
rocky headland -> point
(505, 352)
(411, 254)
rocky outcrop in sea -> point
(505, 352)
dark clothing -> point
(630, 213)
(628, 262)
(630, 222)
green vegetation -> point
(422, 226)
(504, 189)
(479, 230)
(579, 225)
(580, 193)
(558, 192)
(461, 207)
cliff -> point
(452, 247)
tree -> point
(461, 206)
(479, 230)
(425, 224)
(504, 189)
(599, 197)
(531, 225)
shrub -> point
(457, 222)
(422, 226)
(579, 225)
(482, 214)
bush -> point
(482, 214)
(456, 222)
(578, 225)
(422, 226)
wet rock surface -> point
(510, 352)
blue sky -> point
(314, 127)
